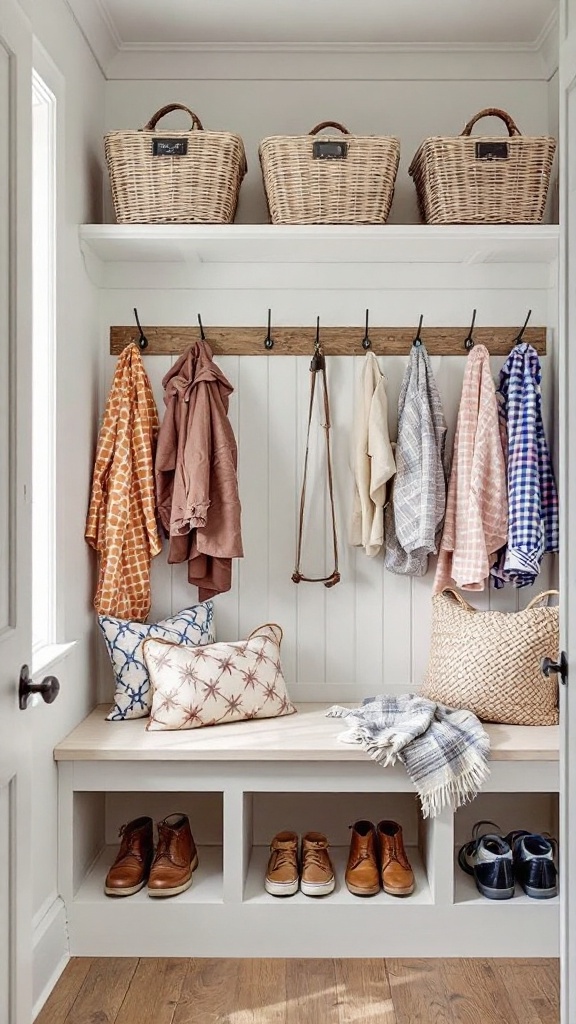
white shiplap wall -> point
(371, 631)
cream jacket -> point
(372, 461)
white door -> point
(567, 369)
(15, 562)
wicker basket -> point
(483, 180)
(190, 177)
(327, 179)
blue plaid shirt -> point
(533, 526)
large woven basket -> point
(323, 178)
(483, 180)
(182, 177)
(490, 662)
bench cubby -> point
(242, 783)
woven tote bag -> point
(175, 177)
(490, 662)
(323, 178)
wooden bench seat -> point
(306, 736)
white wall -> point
(554, 129)
(65, 61)
(411, 110)
(371, 631)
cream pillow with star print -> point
(217, 683)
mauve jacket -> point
(196, 482)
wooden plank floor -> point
(174, 991)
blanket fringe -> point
(456, 792)
(338, 712)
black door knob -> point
(550, 668)
(48, 689)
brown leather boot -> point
(362, 871)
(397, 875)
(175, 859)
(282, 871)
(317, 877)
(129, 871)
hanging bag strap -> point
(542, 597)
(318, 366)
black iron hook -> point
(418, 340)
(318, 356)
(202, 335)
(366, 343)
(268, 341)
(469, 340)
(518, 339)
(142, 341)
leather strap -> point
(151, 124)
(318, 366)
(328, 124)
(510, 123)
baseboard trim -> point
(50, 949)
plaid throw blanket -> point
(444, 751)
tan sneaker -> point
(317, 871)
(282, 870)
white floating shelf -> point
(264, 243)
(115, 253)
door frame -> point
(567, 472)
(15, 636)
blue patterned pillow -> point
(192, 627)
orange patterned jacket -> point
(121, 524)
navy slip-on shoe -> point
(534, 865)
(489, 859)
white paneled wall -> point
(371, 631)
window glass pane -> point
(5, 395)
(43, 368)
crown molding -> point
(331, 47)
(547, 45)
(123, 60)
(312, 62)
(94, 22)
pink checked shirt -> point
(476, 523)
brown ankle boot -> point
(317, 877)
(397, 875)
(362, 870)
(129, 871)
(175, 859)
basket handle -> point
(150, 126)
(511, 125)
(459, 598)
(540, 597)
(329, 124)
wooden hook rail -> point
(337, 341)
